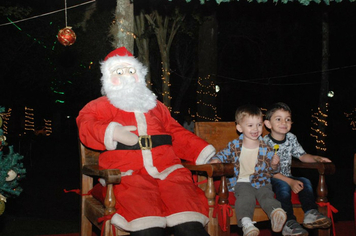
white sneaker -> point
(250, 230)
(278, 218)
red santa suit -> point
(156, 190)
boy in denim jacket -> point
(255, 163)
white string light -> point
(65, 12)
(46, 14)
(319, 135)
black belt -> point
(147, 142)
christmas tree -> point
(11, 170)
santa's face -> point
(122, 72)
(124, 84)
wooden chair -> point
(92, 209)
(219, 134)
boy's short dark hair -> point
(275, 107)
(247, 110)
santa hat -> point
(121, 51)
(122, 55)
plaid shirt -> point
(263, 169)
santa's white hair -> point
(131, 94)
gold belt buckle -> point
(148, 142)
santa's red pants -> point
(144, 202)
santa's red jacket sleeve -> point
(98, 118)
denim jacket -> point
(263, 169)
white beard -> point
(130, 95)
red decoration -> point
(66, 36)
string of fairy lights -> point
(166, 94)
(29, 120)
(48, 127)
(207, 90)
(319, 118)
(30, 124)
(5, 120)
(352, 118)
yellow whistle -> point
(276, 148)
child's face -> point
(251, 127)
(280, 122)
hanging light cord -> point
(65, 11)
(46, 14)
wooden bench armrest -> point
(212, 170)
(324, 168)
(111, 176)
(221, 170)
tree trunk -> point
(123, 28)
(206, 95)
(142, 43)
(166, 91)
(165, 34)
(186, 66)
(324, 87)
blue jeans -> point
(284, 194)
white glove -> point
(123, 134)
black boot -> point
(190, 229)
(149, 232)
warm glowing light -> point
(319, 119)
(207, 90)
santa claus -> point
(137, 135)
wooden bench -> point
(216, 133)
(219, 134)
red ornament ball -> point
(66, 36)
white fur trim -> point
(205, 155)
(162, 175)
(138, 224)
(109, 142)
(152, 170)
(102, 182)
(110, 64)
(141, 123)
(147, 154)
(126, 173)
(186, 216)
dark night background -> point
(266, 53)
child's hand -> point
(296, 186)
(214, 161)
(275, 160)
(321, 159)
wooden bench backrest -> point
(88, 156)
(219, 134)
(216, 133)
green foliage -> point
(10, 164)
(11, 161)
